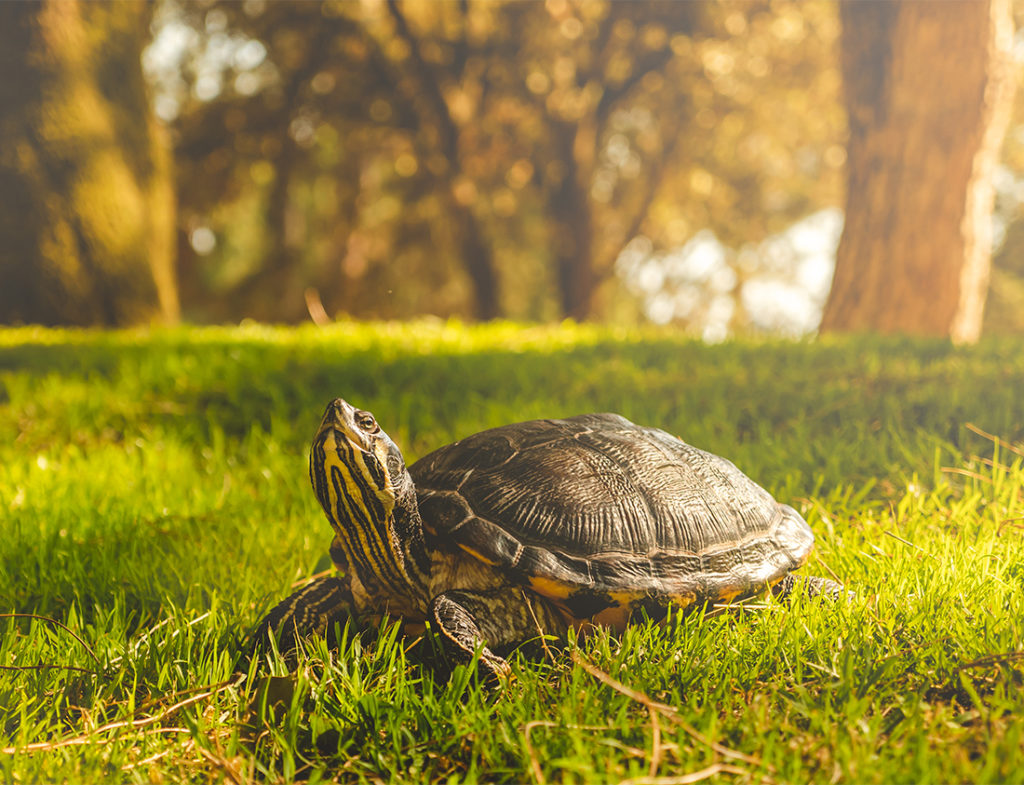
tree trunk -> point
(572, 220)
(928, 92)
(477, 257)
(86, 197)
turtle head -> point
(360, 479)
(354, 444)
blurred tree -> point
(741, 234)
(86, 198)
(447, 126)
(489, 158)
(928, 93)
(297, 168)
(575, 108)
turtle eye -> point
(365, 421)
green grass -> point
(154, 501)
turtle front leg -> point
(809, 585)
(500, 618)
(313, 609)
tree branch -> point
(448, 132)
(653, 186)
(461, 45)
(611, 95)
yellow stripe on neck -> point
(369, 541)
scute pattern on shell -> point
(598, 503)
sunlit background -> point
(630, 162)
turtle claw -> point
(495, 671)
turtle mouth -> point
(340, 423)
(334, 414)
(336, 419)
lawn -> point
(154, 503)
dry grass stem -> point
(315, 307)
(78, 741)
(144, 638)
(967, 473)
(994, 439)
(45, 666)
(540, 632)
(45, 746)
(224, 765)
(1010, 523)
(830, 571)
(908, 543)
(670, 712)
(146, 761)
(538, 774)
(993, 659)
(687, 779)
(535, 769)
(655, 741)
(56, 623)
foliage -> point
(487, 158)
(155, 502)
(86, 198)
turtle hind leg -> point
(809, 586)
(500, 618)
(313, 609)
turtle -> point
(543, 525)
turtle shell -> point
(595, 512)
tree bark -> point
(86, 197)
(928, 92)
(477, 257)
(572, 222)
